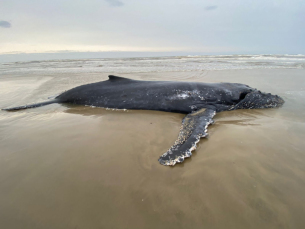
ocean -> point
(156, 64)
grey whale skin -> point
(200, 101)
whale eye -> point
(242, 95)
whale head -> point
(257, 99)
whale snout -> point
(267, 100)
(278, 100)
(258, 99)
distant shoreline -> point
(20, 57)
(24, 57)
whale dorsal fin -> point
(116, 78)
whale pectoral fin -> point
(194, 126)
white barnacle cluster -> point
(90, 106)
(197, 93)
(186, 94)
(115, 109)
(107, 108)
(181, 94)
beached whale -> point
(200, 101)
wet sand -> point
(82, 167)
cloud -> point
(211, 8)
(5, 24)
(115, 3)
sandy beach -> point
(68, 166)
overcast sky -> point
(207, 26)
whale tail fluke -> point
(31, 105)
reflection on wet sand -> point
(65, 166)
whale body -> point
(200, 101)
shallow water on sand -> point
(65, 166)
